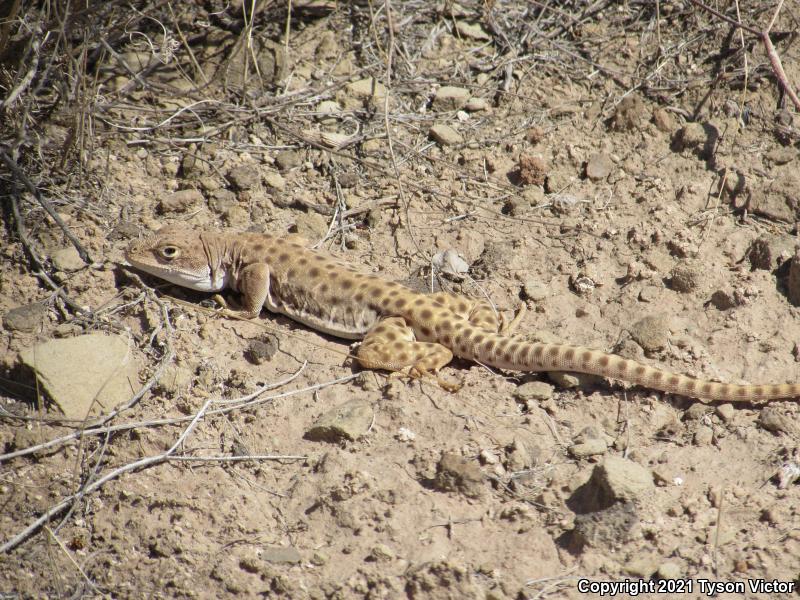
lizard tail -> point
(514, 354)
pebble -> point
(366, 88)
(599, 167)
(704, 436)
(534, 290)
(472, 30)
(663, 120)
(348, 421)
(244, 177)
(772, 419)
(725, 412)
(67, 260)
(449, 97)
(288, 159)
(457, 474)
(669, 570)
(532, 170)
(591, 447)
(477, 104)
(275, 181)
(280, 554)
(651, 332)
(445, 135)
(618, 479)
(685, 278)
(180, 201)
(260, 351)
(27, 318)
(606, 528)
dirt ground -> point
(630, 176)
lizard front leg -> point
(253, 285)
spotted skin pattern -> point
(402, 330)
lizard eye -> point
(169, 252)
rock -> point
(534, 290)
(175, 380)
(591, 447)
(782, 155)
(445, 135)
(288, 159)
(630, 114)
(311, 226)
(27, 318)
(651, 332)
(723, 299)
(449, 97)
(769, 252)
(275, 181)
(280, 554)
(474, 31)
(703, 436)
(328, 111)
(607, 528)
(180, 201)
(642, 567)
(778, 198)
(793, 291)
(348, 421)
(700, 138)
(534, 391)
(246, 177)
(599, 167)
(476, 104)
(773, 420)
(565, 380)
(381, 553)
(85, 375)
(67, 260)
(457, 474)
(669, 570)
(366, 88)
(348, 179)
(532, 170)
(725, 412)
(685, 278)
(614, 480)
(663, 120)
(260, 351)
(697, 411)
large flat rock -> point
(85, 375)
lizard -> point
(402, 331)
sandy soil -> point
(655, 222)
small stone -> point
(449, 97)
(663, 120)
(275, 181)
(605, 528)
(699, 138)
(592, 447)
(697, 411)
(642, 567)
(704, 436)
(366, 88)
(381, 553)
(175, 380)
(599, 167)
(180, 201)
(564, 380)
(310, 225)
(245, 177)
(534, 391)
(617, 479)
(669, 570)
(348, 421)
(534, 135)
(288, 159)
(723, 300)
(477, 104)
(685, 278)
(725, 412)
(280, 554)
(534, 290)
(67, 260)
(27, 318)
(630, 114)
(532, 170)
(651, 332)
(794, 279)
(456, 474)
(445, 135)
(327, 112)
(474, 31)
(260, 351)
(348, 180)
(773, 420)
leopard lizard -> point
(402, 330)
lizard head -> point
(178, 255)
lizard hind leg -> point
(391, 346)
